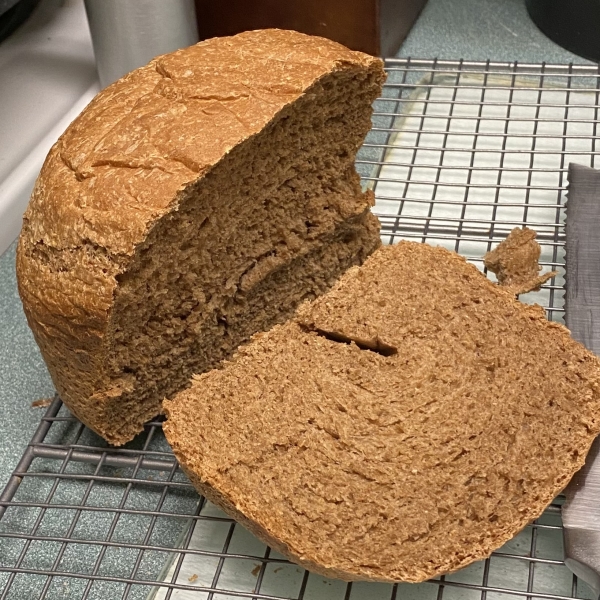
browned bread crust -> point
(197, 200)
(468, 415)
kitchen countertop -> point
(469, 29)
(500, 30)
(46, 69)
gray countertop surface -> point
(499, 30)
(451, 29)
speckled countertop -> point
(469, 29)
(480, 29)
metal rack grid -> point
(460, 153)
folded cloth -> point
(582, 315)
(582, 301)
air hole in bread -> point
(373, 345)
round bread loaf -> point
(194, 202)
(406, 423)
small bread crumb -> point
(515, 261)
(193, 578)
(41, 403)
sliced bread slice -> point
(194, 202)
(406, 423)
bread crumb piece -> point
(256, 571)
(41, 403)
(193, 578)
(515, 262)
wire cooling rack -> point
(460, 153)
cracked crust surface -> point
(209, 160)
(402, 463)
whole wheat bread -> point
(403, 425)
(194, 202)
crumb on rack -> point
(515, 261)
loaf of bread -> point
(406, 423)
(194, 202)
